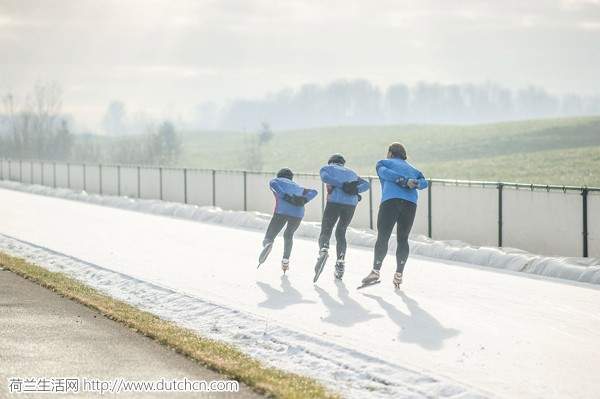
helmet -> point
(286, 173)
(337, 159)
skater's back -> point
(335, 176)
(391, 172)
(285, 190)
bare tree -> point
(38, 130)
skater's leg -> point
(275, 225)
(288, 235)
(330, 217)
(386, 219)
(346, 213)
(406, 218)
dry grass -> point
(215, 355)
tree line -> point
(359, 102)
(36, 129)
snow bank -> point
(576, 269)
(357, 375)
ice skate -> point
(285, 265)
(339, 269)
(371, 279)
(321, 260)
(265, 253)
(397, 279)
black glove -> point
(359, 197)
(296, 200)
(299, 200)
(288, 198)
(350, 187)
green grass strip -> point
(218, 356)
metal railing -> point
(182, 177)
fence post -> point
(371, 203)
(68, 175)
(584, 195)
(20, 170)
(100, 179)
(245, 191)
(185, 193)
(429, 211)
(500, 187)
(84, 178)
(1, 168)
(214, 185)
(31, 171)
(139, 183)
(160, 187)
(54, 174)
(9, 177)
(41, 172)
(119, 180)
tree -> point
(114, 120)
(169, 142)
(265, 134)
(63, 141)
(37, 128)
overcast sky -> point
(168, 55)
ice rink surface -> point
(504, 333)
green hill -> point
(548, 151)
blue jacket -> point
(334, 176)
(282, 186)
(392, 170)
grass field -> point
(549, 151)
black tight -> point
(393, 212)
(342, 214)
(275, 226)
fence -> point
(549, 220)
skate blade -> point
(321, 265)
(264, 254)
(368, 285)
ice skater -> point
(290, 199)
(343, 193)
(399, 184)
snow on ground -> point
(576, 269)
(455, 330)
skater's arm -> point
(363, 185)
(309, 194)
(388, 174)
(419, 183)
(422, 182)
(275, 186)
(327, 176)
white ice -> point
(455, 330)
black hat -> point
(285, 172)
(337, 159)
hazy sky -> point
(167, 55)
